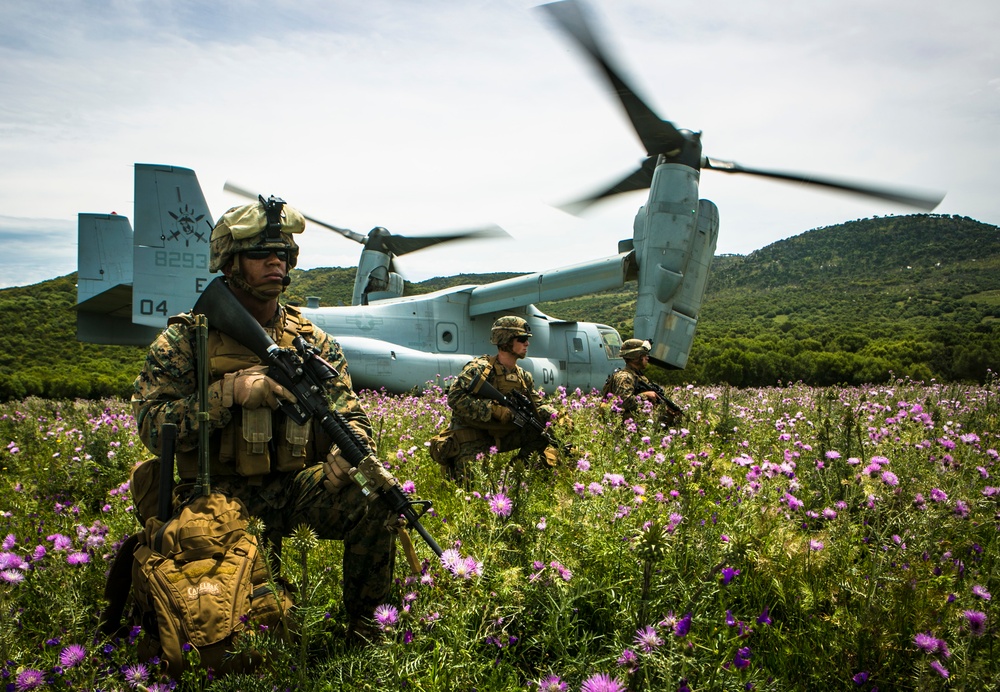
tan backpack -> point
(199, 579)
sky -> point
(442, 116)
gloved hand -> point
(252, 388)
(336, 470)
(501, 413)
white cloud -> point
(423, 117)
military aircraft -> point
(401, 342)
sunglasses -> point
(521, 339)
(264, 253)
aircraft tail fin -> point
(173, 226)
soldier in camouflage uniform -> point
(479, 424)
(632, 387)
(284, 473)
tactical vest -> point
(505, 384)
(610, 382)
(256, 441)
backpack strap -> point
(118, 586)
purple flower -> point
(926, 642)
(11, 576)
(629, 661)
(647, 639)
(860, 678)
(931, 644)
(602, 682)
(890, 479)
(764, 618)
(977, 622)
(742, 658)
(386, 616)
(135, 675)
(72, 655)
(939, 669)
(501, 505)
(939, 495)
(29, 679)
(728, 573)
(683, 626)
(980, 592)
(552, 684)
(78, 558)
(815, 545)
(564, 572)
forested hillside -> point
(911, 295)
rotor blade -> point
(401, 245)
(639, 179)
(921, 200)
(658, 136)
(346, 232)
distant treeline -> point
(861, 302)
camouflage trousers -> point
(283, 501)
(460, 467)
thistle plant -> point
(820, 539)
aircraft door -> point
(447, 337)
(577, 360)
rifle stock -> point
(303, 372)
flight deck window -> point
(612, 343)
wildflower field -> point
(786, 538)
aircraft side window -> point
(612, 343)
(577, 344)
(446, 337)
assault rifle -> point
(661, 396)
(522, 408)
(303, 372)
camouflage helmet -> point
(507, 328)
(265, 224)
(635, 348)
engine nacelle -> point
(674, 238)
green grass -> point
(783, 538)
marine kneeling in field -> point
(631, 386)
(284, 473)
(480, 424)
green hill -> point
(858, 302)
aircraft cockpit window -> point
(612, 342)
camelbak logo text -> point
(203, 587)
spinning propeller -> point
(660, 137)
(381, 240)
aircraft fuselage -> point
(427, 338)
